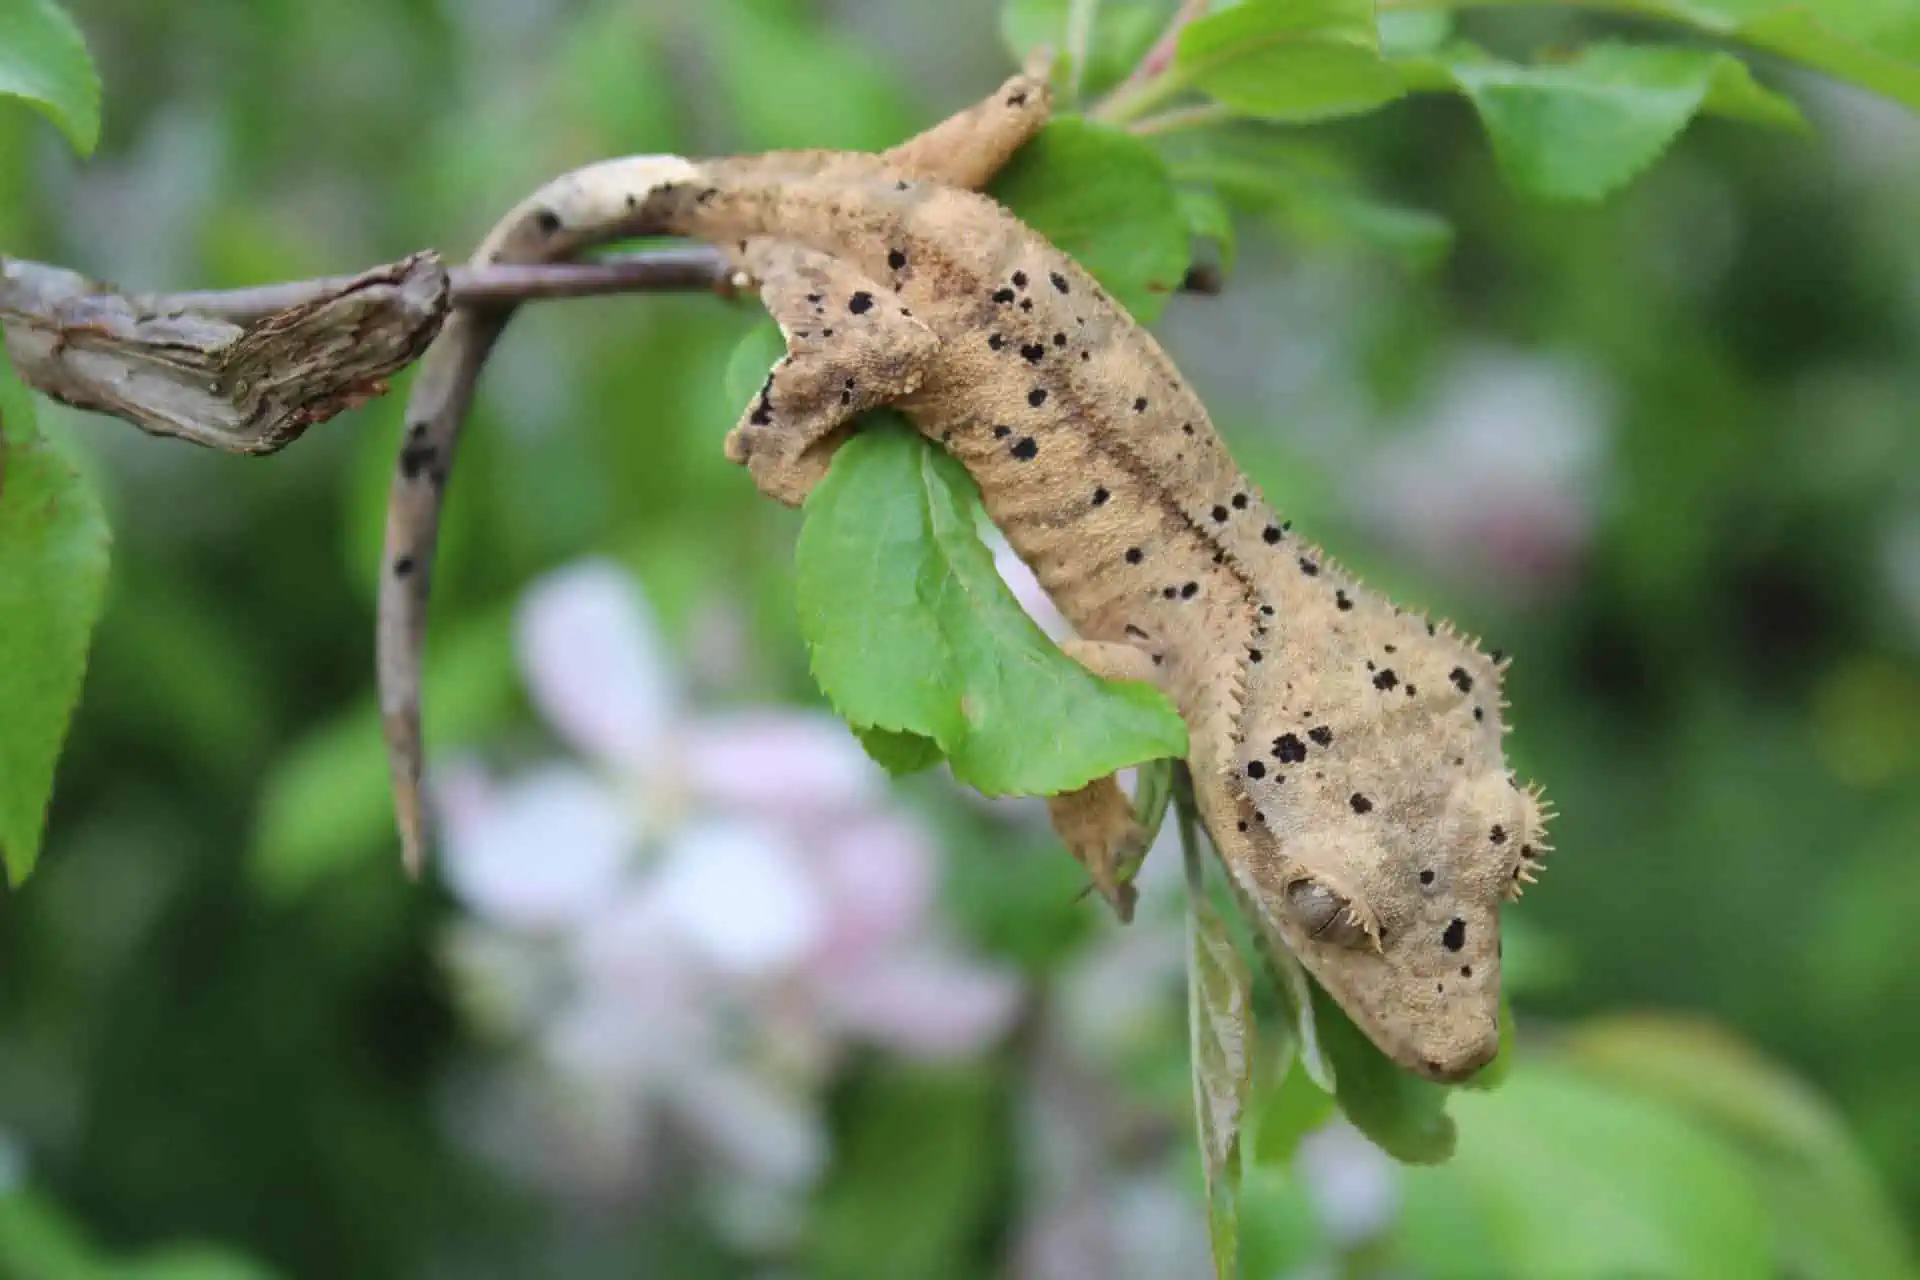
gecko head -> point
(1399, 918)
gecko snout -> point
(1463, 1060)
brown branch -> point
(658, 271)
(248, 370)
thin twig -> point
(660, 270)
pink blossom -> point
(698, 914)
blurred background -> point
(699, 993)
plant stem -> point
(1152, 82)
(1196, 116)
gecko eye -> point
(1324, 914)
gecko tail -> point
(594, 205)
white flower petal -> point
(926, 1003)
(596, 665)
(1352, 1183)
(781, 763)
(879, 876)
(740, 893)
(764, 1129)
(545, 853)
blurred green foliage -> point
(219, 1014)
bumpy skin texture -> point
(1346, 754)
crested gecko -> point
(1346, 754)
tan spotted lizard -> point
(1346, 755)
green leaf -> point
(1874, 43)
(1580, 129)
(912, 630)
(1834, 1218)
(1289, 59)
(1310, 195)
(1209, 218)
(1103, 196)
(44, 63)
(1404, 1115)
(899, 752)
(53, 577)
(1220, 1031)
(1405, 32)
(1292, 1111)
(1559, 1175)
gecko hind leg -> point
(1096, 821)
(851, 347)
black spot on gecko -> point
(1037, 397)
(1321, 735)
(1455, 936)
(1059, 339)
(1133, 555)
(403, 566)
(1001, 433)
(896, 259)
(1359, 803)
(1003, 296)
(1466, 971)
(1426, 877)
(1254, 655)
(1187, 428)
(996, 341)
(1479, 713)
(1271, 534)
(1025, 449)
(1013, 100)
(1526, 851)
(1189, 591)
(1309, 568)
(1100, 497)
(1140, 405)
(1239, 502)
(548, 221)
(1026, 304)
(1168, 592)
(860, 303)
(1033, 353)
(1342, 601)
(1288, 749)
(1220, 513)
(1059, 281)
(1461, 680)
(1019, 279)
(1498, 835)
(1255, 769)
(1385, 680)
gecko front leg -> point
(1096, 821)
(851, 347)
